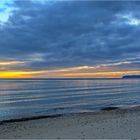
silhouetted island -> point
(131, 76)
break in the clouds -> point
(47, 34)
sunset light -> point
(10, 63)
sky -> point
(69, 39)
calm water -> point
(25, 98)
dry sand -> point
(115, 124)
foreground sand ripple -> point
(117, 123)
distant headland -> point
(131, 76)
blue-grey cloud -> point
(66, 33)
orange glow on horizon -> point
(49, 74)
(97, 71)
(18, 74)
(115, 74)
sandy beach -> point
(118, 124)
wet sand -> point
(105, 124)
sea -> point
(25, 98)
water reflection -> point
(21, 98)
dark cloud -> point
(64, 34)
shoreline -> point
(101, 110)
(112, 123)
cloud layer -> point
(61, 34)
